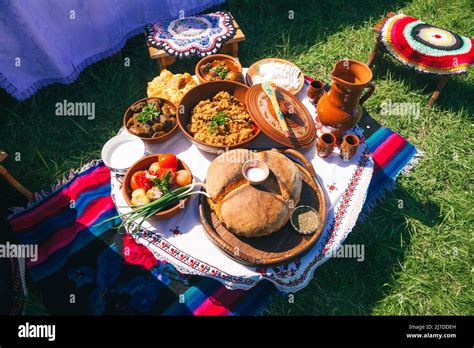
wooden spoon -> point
(269, 88)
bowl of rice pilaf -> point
(214, 116)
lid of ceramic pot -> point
(299, 120)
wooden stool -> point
(230, 47)
(380, 49)
(11, 180)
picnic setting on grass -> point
(212, 177)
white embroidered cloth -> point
(182, 241)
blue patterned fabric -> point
(192, 36)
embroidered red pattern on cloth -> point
(282, 272)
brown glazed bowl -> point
(162, 138)
(143, 164)
(206, 91)
(229, 59)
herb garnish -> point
(148, 112)
(221, 71)
(217, 120)
(164, 182)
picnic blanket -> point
(85, 267)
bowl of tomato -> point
(151, 177)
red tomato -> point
(168, 160)
(139, 180)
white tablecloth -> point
(183, 242)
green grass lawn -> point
(418, 240)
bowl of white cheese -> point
(121, 151)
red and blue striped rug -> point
(85, 267)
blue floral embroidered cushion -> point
(186, 37)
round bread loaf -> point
(253, 210)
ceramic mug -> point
(315, 91)
(325, 144)
(349, 145)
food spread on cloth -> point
(170, 86)
(248, 210)
(267, 203)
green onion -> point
(140, 213)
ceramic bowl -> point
(229, 59)
(162, 138)
(121, 151)
(143, 164)
(206, 91)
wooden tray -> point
(281, 246)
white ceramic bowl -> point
(262, 171)
(121, 151)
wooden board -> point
(279, 247)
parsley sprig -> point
(221, 71)
(148, 112)
(164, 182)
(217, 120)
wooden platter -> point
(281, 246)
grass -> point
(418, 240)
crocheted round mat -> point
(200, 35)
(425, 47)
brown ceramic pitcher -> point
(340, 109)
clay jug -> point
(341, 108)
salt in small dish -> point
(305, 219)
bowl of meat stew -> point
(151, 119)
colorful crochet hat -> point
(200, 35)
(425, 47)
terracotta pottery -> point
(143, 164)
(341, 108)
(162, 138)
(325, 144)
(349, 146)
(315, 91)
(224, 57)
(297, 117)
(207, 91)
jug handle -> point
(371, 89)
